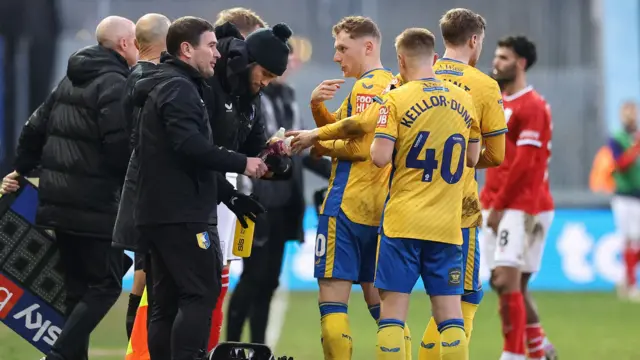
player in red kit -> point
(513, 197)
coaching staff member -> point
(151, 34)
(78, 137)
(177, 190)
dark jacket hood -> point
(232, 69)
(90, 62)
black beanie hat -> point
(268, 47)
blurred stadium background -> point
(589, 63)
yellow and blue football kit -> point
(431, 123)
(350, 215)
(487, 100)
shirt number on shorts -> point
(429, 164)
(321, 245)
(504, 238)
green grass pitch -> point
(583, 326)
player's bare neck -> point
(370, 64)
(419, 73)
(519, 83)
(458, 54)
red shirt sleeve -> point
(530, 130)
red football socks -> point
(535, 341)
(630, 261)
(218, 315)
(514, 322)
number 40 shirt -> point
(430, 122)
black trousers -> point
(93, 281)
(259, 280)
(186, 272)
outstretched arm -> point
(350, 150)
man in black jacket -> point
(79, 138)
(244, 69)
(151, 34)
(178, 189)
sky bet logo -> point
(28, 316)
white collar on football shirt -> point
(518, 94)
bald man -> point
(78, 137)
(151, 33)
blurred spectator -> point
(37, 22)
(79, 138)
(625, 148)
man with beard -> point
(79, 138)
(284, 201)
(518, 208)
(246, 21)
(245, 67)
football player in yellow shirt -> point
(428, 130)
(350, 215)
(463, 33)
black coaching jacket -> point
(79, 138)
(235, 113)
(180, 168)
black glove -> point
(245, 205)
(279, 165)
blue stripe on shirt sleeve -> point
(385, 136)
(495, 133)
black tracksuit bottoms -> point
(93, 273)
(186, 273)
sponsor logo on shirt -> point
(362, 101)
(382, 117)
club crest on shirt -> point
(203, 240)
(507, 114)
